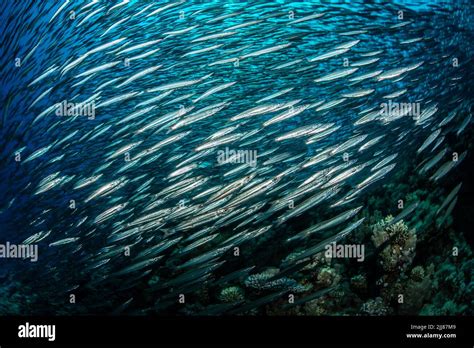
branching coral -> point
(399, 254)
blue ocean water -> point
(416, 53)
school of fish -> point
(136, 189)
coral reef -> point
(409, 280)
(401, 250)
(231, 294)
(327, 276)
(375, 307)
(262, 281)
(453, 281)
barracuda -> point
(219, 133)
